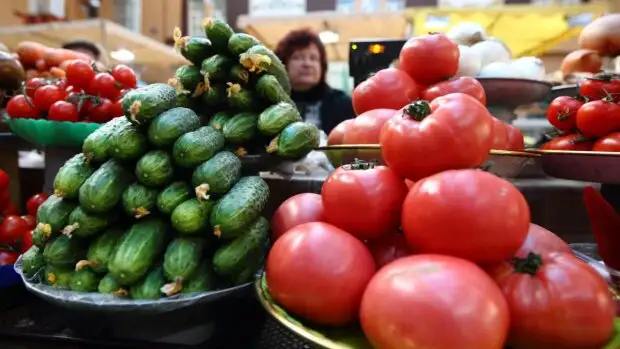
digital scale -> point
(367, 56)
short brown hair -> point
(300, 39)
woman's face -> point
(304, 68)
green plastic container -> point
(52, 133)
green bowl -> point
(350, 337)
(52, 133)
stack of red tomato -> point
(15, 230)
(84, 94)
(589, 121)
(424, 80)
(450, 260)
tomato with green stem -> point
(562, 112)
(125, 76)
(80, 74)
(63, 111)
(104, 85)
(102, 112)
(20, 107)
(429, 59)
(363, 199)
(426, 138)
(571, 142)
(556, 301)
(47, 95)
(601, 86)
(32, 85)
(598, 118)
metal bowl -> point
(504, 95)
(502, 163)
(586, 166)
(564, 90)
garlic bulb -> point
(499, 70)
(466, 33)
(531, 68)
(491, 51)
(469, 62)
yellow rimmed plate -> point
(586, 166)
(503, 163)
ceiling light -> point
(123, 55)
(329, 37)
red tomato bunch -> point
(83, 95)
(15, 230)
(392, 106)
(588, 121)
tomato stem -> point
(417, 110)
(358, 164)
(529, 264)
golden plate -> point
(586, 166)
(503, 163)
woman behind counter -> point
(304, 55)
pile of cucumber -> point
(155, 205)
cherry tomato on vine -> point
(12, 228)
(102, 112)
(610, 143)
(601, 86)
(116, 109)
(598, 118)
(30, 220)
(571, 141)
(80, 74)
(33, 84)
(86, 106)
(63, 111)
(47, 95)
(562, 112)
(125, 76)
(104, 85)
(19, 107)
(10, 210)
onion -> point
(531, 68)
(602, 35)
(491, 51)
(581, 61)
(499, 70)
(469, 62)
(466, 33)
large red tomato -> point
(429, 59)
(389, 88)
(562, 112)
(424, 139)
(556, 301)
(434, 302)
(388, 248)
(470, 214)
(296, 210)
(363, 199)
(515, 138)
(500, 135)
(541, 240)
(600, 86)
(319, 272)
(465, 84)
(336, 136)
(366, 127)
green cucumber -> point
(296, 140)
(41, 235)
(194, 148)
(63, 251)
(180, 262)
(58, 276)
(172, 124)
(100, 251)
(84, 224)
(32, 261)
(53, 214)
(275, 118)
(216, 68)
(239, 207)
(233, 257)
(239, 74)
(109, 285)
(219, 119)
(203, 279)
(192, 216)
(260, 59)
(139, 200)
(137, 249)
(241, 42)
(155, 169)
(269, 89)
(219, 174)
(219, 32)
(96, 146)
(145, 103)
(172, 196)
(242, 99)
(195, 49)
(214, 94)
(128, 143)
(84, 280)
(188, 77)
(150, 286)
(103, 190)
(241, 128)
(71, 176)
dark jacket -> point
(335, 105)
